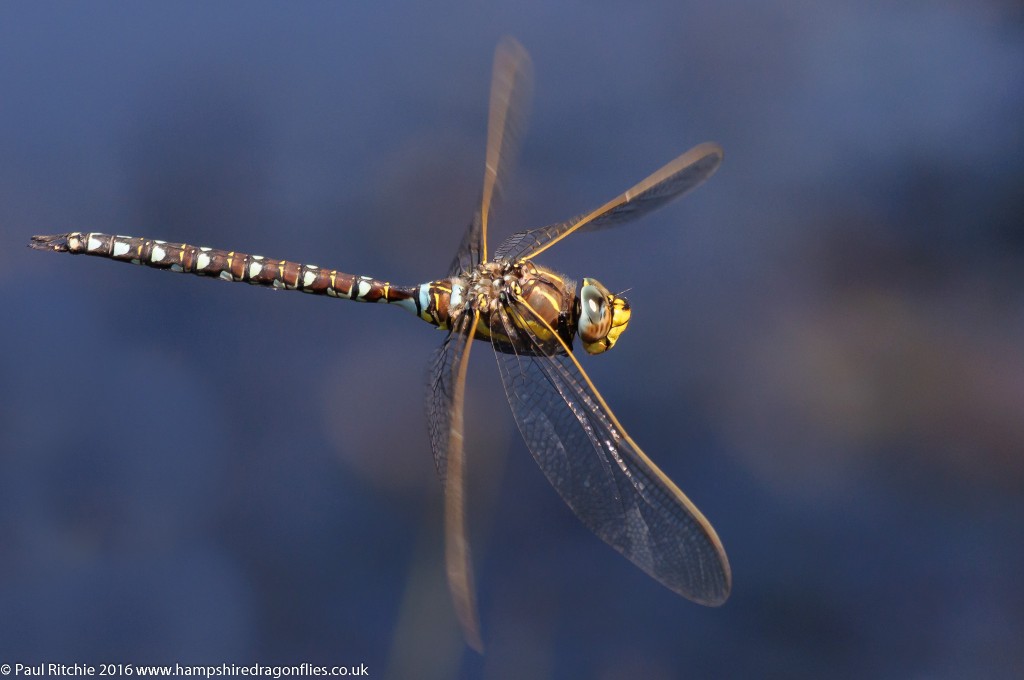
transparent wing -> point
(445, 411)
(600, 472)
(511, 91)
(670, 182)
(470, 252)
(440, 393)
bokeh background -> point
(827, 350)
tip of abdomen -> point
(56, 242)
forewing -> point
(470, 252)
(511, 91)
(611, 485)
(670, 182)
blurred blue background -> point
(826, 353)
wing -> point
(670, 182)
(470, 252)
(511, 90)
(600, 472)
(440, 394)
(445, 409)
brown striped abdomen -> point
(227, 265)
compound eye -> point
(595, 317)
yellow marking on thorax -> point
(538, 329)
(546, 292)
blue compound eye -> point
(595, 318)
(603, 317)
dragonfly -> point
(531, 315)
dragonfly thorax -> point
(515, 299)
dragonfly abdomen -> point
(230, 266)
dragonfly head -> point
(603, 317)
